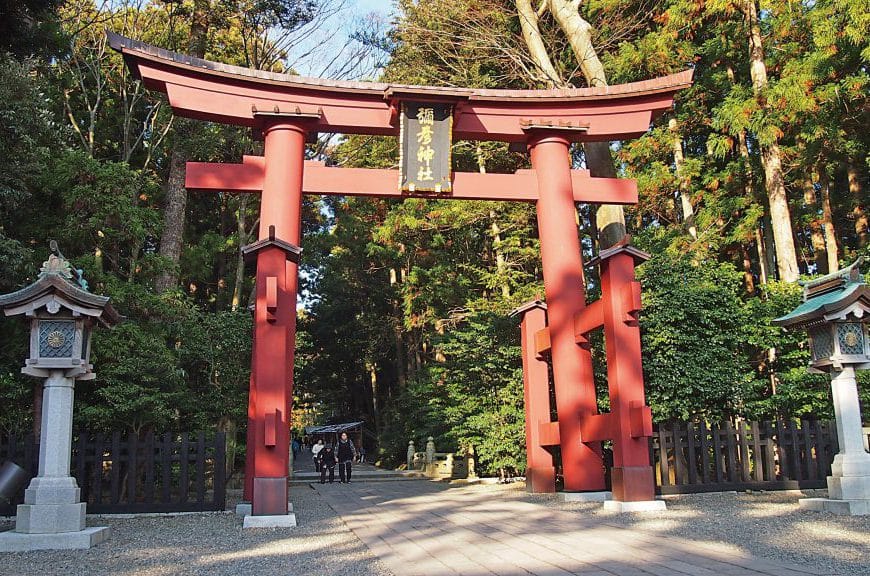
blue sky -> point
(330, 40)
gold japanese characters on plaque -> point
(425, 140)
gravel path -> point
(767, 524)
(212, 544)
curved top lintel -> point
(195, 87)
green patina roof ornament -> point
(826, 295)
(58, 265)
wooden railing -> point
(700, 457)
(125, 474)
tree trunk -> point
(748, 278)
(398, 341)
(535, 44)
(240, 259)
(610, 219)
(173, 222)
(859, 212)
(685, 195)
(828, 222)
(176, 193)
(820, 250)
(771, 160)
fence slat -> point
(663, 458)
(679, 472)
(718, 453)
(796, 468)
(132, 466)
(200, 468)
(769, 470)
(742, 430)
(757, 471)
(150, 457)
(166, 468)
(220, 470)
(183, 455)
(807, 427)
(705, 454)
(782, 451)
(116, 468)
(693, 462)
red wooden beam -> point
(318, 179)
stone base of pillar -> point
(82, 539)
(50, 518)
(244, 508)
(842, 507)
(585, 496)
(647, 506)
(540, 480)
(276, 521)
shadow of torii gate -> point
(286, 109)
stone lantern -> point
(836, 312)
(62, 314)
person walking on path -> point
(315, 453)
(327, 462)
(346, 453)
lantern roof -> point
(531, 305)
(828, 295)
(56, 286)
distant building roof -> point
(333, 428)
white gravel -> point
(767, 524)
(212, 544)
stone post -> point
(410, 456)
(850, 472)
(472, 473)
(430, 450)
(51, 502)
(52, 516)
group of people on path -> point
(326, 456)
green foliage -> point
(693, 322)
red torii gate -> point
(286, 109)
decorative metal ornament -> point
(55, 339)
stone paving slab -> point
(430, 529)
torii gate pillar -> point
(582, 466)
(277, 256)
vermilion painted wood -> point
(220, 93)
(566, 296)
(275, 328)
(317, 179)
(631, 476)
(540, 473)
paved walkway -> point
(429, 529)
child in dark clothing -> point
(327, 461)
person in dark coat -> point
(327, 462)
(346, 453)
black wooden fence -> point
(785, 454)
(122, 474)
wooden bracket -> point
(271, 297)
(596, 427)
(640, 420)
(631, 302)
(272, 421)
(548, 434)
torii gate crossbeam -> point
(287, 109)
